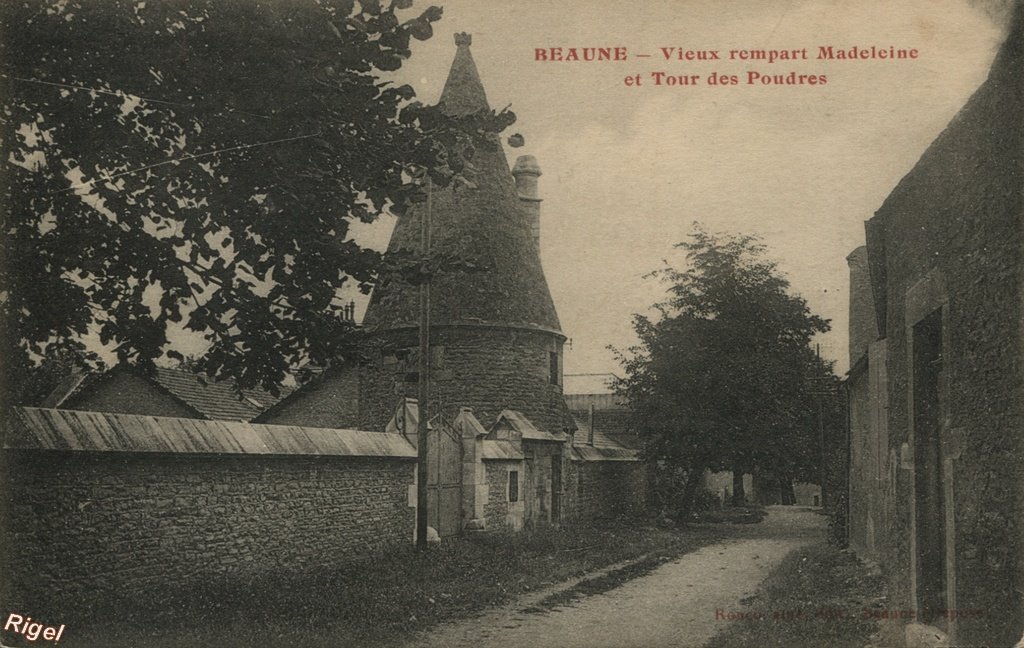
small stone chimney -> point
(590, 424)
(862, 324)
(526, 171)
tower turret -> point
(495, 336)
(526, 171)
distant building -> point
(936, 385)
(167, 392)
(602, 418)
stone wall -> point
(488, 369)
(872, 466)
(97, 523)
(599, 489)
(947, 247)
(499, 512)
(863, 323)
(860, 535)
(975, 258)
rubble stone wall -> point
(97, 523)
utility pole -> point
(821, 440)
(422, 382)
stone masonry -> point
(937, 392)
(100, 523)
(601, 489)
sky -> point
(627, 170)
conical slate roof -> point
(484, 224)
(463, 92)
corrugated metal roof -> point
(34, 428)
(500, 450)
(603, 453)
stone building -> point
(121, 483)
(495, 336)
(602, 418)
(496, 352)
(609, 479)
(936, 387)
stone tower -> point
(496, 342)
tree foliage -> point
(725, 377)
(198, 164)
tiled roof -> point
(34, 428)
(321, 378)
(212, 400)
(463, 92)
(611, 426)
(600, 438)
(219, 401)
(606, 446)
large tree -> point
(723, 377)
(197, 164)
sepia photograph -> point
(531, 324)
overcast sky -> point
(627, 170)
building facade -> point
(936, 386)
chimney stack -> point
(590, 424)
(526, 171)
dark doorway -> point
(930, 508)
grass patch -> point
(379, 602)
(816, 597)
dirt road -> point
(681, 603)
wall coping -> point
(32, 428)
